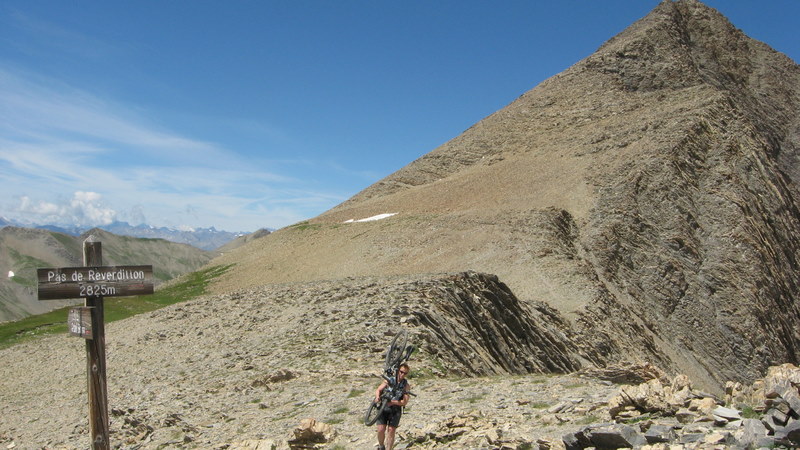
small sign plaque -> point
(79, 322)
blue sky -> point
(250, 114)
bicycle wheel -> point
(373, 412)
(395, 350)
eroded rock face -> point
(699, 237)
(476, 325)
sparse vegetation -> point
(474, 398)
(116, 308)
(638, 419)
(24, 281)
(69, 243)
(355, 393)
(749, 413)
(304, 225)
(588, 420)
(25, 261)
(438, 367)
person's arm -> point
(379, 390)
(403, 400)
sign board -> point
(79, 322)
(105, 281)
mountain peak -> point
(681, 52)
(681, 44)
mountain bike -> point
(397, 353)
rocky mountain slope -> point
(648, 193)
(242, 240)
(26, 249)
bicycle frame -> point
(397, 353)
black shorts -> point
(390, 416)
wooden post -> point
(93, 281)
(96, 355)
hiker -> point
(394, 409)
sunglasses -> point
(403, 372)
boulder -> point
(789, 435)
(626, 373)
(660, 434)
(311, 434)
(703, 405)
(787, 371)
(774, 419)
(719, 438)
(616, 436)
(577, 440)
(646, 397)
(727, 413)
(684, 415)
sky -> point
(259, 114)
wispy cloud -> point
(66, 154)
(44, 36)
(32, 107)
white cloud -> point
(84, 209)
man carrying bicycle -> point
(394, 409)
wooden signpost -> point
(81, 282)
(93, 282)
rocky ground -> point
(253, 364)
(245, 370)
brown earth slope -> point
(648, 193)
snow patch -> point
(10, 274)
(371, 219)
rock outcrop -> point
(476, 326)
(653, 415)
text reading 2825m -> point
(93, 290)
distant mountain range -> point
(202, 238)
(24, 250)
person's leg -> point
(390, 437)
(381, 434)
